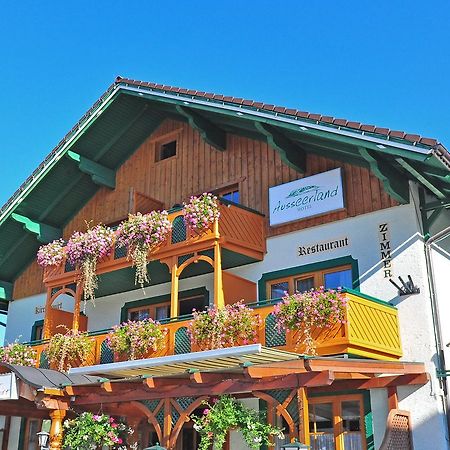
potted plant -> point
(201, 212)
(140, 234)
(227, 327)
(52, 254)
(90, 431)
(70, 349)
(18, 354)
(85, 249)
(227, 413)
(136, 339)
(317, 308)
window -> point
(158, 311)
(329, 278)
(229, 193)
(37, 330)
(337, 423)
(165, 150)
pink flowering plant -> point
(90, 431)
(136, 339)
(226, 413)
(69, 349)
(201, 212)
(85, 249)
(18, 354)
(318, 308)
(140, 234)
(226, 327)
(52, 254)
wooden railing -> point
(239, 229)
(371, 330)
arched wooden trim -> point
(151, 416)
(194, 259)
(62, 291)
(182, 419)
(279, 408)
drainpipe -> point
(436, 322)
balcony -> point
(240, 232)
(371, 330)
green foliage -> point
(228, 413)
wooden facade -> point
(252, 166)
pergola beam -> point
(44, 233)
(100, 175)
(291, 154)
(393, 181)
(210, 133)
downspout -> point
(436, 322)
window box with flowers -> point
(136, 339)
(309, 313)
(18, 354)
(201, 212)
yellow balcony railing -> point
(371, 330)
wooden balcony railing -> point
(239, 230)
(371, 330)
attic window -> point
(165, 150)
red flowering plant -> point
(140, 234)
(315, 308)
(90, 431)
(201, 212)
(85, 249)
(226, 327)
(136, 339)
(52, 254)
(18, 354)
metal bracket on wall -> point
(407, 287)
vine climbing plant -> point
(226, 413)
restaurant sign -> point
(8, 387)
(306, 197)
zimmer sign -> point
(306, 197)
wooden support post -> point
(219, 300)
(76, 308)
(174, 306)
(303, 416)
(167, 428)
(56, 429)
(48, 311)
(392, 398)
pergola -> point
(167, 390)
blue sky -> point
(384, 62)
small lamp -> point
(43, 438)
(155, 447)
(294, 445)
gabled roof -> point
(129, 111)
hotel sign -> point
(8, 387)
(307, 197)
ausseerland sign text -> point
(306, 197)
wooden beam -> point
(208, 377)
(278, 369)
(100, 175)
(210, 133)
(393, 181)
(438, 192)
(392, 397)
(291, 153)
(43, 232)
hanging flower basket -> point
(201, 212)
(136, 340)
(71, 349)
(140, 234)
(227, 413)
(303, 312)
(84, 250)
(91, 431)
(220, 328)
(52, 254)
(18, 354)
